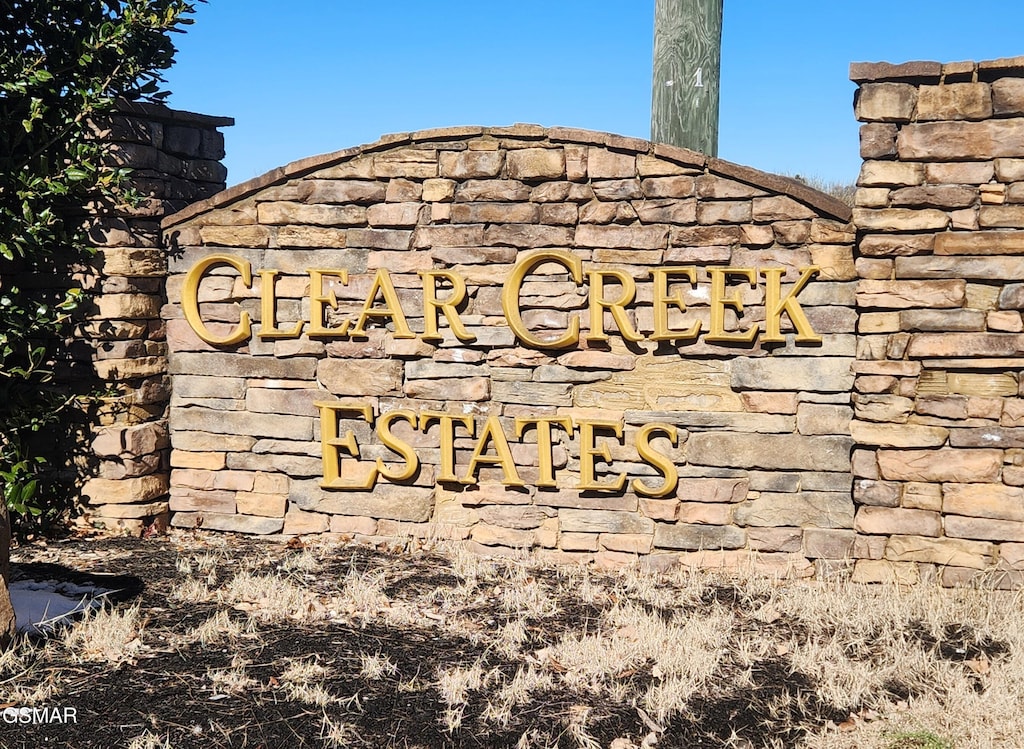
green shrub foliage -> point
(63, 66)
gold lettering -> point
(390, 441)
(332, 445)
(543, 424)
(268, 309)
(662, 332)
(510, 297)
(392, 309)
(432, 305)
(493, 432)
(446, 420)
(656, 460)
(719, 301)
(598, 304)
(318, 302)
(589, 450)
(190, 300)
(775, 306)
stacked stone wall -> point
(762, 445)
(175, 160)
(939, 417)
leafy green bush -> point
(63, 65)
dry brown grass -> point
(531, 657)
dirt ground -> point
(241, 642)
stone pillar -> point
(175, 157)
(939, 417)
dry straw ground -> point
(245, 643)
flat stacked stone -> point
(937, 407)
(763, 448)
(175, 160)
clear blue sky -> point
(311, 76)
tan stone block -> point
(871, 197)
(353, 526)
(602, 521)
(546, 536)
(951, 141)
(705, 513)
(807, 508)
(1012, 556)
(660, 509)
(878, 322)
(954, 101)
(393, 214)
(900, 219)
(960, 172)
(578, 541)
(775, 539)
(725, 212)
(885, 572)
(235, 236)
(132, 511)
(387, 501)
(781, 452)
(898, 435)
(438, 190)
(632, 543)
(211, 461)
(984, 528)
(961, 320)
(668, 187)
(922, 496)
(928, 345)
(946, 465)
(879, 245)
(624, 237)
(471, 164)
(769, 402)
(713, 490)
(820, 418)
(603, 360)
(889, 174)
(1006, 321)
(231, 523)
(1009, 170)
(823, 543)
(886, 102)
(1002, 216)
(128, 306)
(697, 537)
(876, 493)
(895, 520)
(1008, 96)
(125, 491)
(360, 377)
(984, 500)
(883, 408)
(458, 389)
(869, 547)
(298, 522)
(520, 516)
(193, 500)
(877, 140)
(536, 163)
(935, 196)
(823, 375)
(267, 505)
(942, 551)
(605, 164)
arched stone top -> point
(530, 136)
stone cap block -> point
(919, 71)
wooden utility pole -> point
(687, 60)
